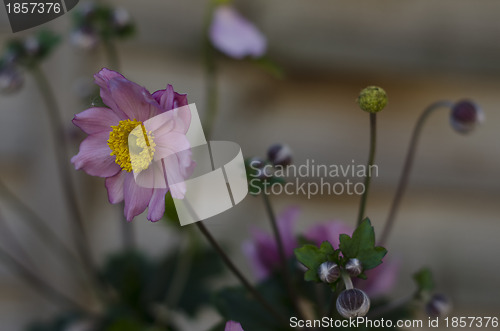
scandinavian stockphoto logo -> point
(26, 14)
(205, 179)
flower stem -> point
(405, 175)
(281, 249)
(60, 144)
(239, 275)
(371, 159)
(38, 225)
(210, 77)
(347, 280)
(111, 54)
(39, 284)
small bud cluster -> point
(351, 302)
(466, 116)
(95, 22)
(438, 306)
(278, 155)
(27, 53)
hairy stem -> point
(371, 159)
(405, 175)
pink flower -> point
(234, 35)
(105, 152)
(233, 326)
(262, 251)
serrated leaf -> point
(424, 280)
(362, 246)
(312, 257)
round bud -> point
(11, 80)
(32, 46)
(372, 99)
(465, 116)
(121, 17)
(84, 38)
(280, 155)
(353, 303)
(354, 267)
(328, 272)
(260, 168)
(438, 306)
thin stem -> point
(405, 175)
(111, 54)
(347, 280)
(371, 159)
(128, 234)
(60, 144)
(281, 251)
(239, 275)
(39, 284)
(210, 77)
(38, 225)
(10, 239)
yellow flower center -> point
(132, 145)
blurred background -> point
(419, 52)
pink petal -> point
(114, 185)
(132, 99)
(156, 207)
(94, 156)
(233, 326)
(102, 79)
(234, 35)
(286, 222)
(95, 120)
(169, 99)
(136, 198)
(169, 144)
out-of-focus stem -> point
(60, 145)
(239, 275)
(281, 250)
(371, 159)
(111, 54)
(405, 175)
(39, 284)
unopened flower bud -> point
(11, 80)
(32, 46)
(121, 17)
(353, 303)
(354, 267)
(328, 272)
(465, 116)
(262, 170)
(84, 38)
(438, 306)
(280, 155)
(372, 99)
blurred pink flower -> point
(262, 251)
(233, 326)
(234, 35)
(105, 152)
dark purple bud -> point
(353, 303)
(261, 169)
(465, 116)
(280, 155)
(328, 272)
(11, 80)
(438, 306)
(354, 267)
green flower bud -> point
(372, 99)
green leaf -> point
(312, 257)
(270, 66)
(424, 280)
(362, 246)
